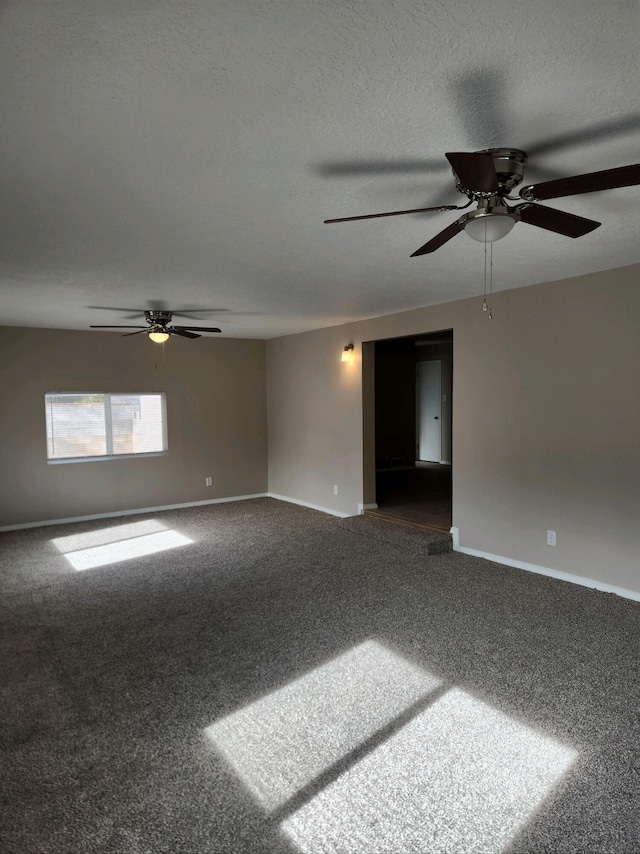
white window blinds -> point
(95, 425)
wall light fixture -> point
(347, 353)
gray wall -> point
(216, 415)
(546, 420)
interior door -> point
(429, 411)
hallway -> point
(421, 495)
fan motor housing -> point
(510, 165)
(160, 318)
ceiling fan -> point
(487, 177)
(158, 328)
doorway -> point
(412, 387)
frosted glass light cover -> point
(489, 228)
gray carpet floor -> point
(282, 681)
(400, 534)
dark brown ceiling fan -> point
(158, 327)
(487, 177)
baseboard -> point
(545, 570)
(310, 506)
(136, 512)
(363, 507)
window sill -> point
(65, 460)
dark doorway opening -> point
(413, 412)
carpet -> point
(416, 540)
(270, 680)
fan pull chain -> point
(485, 307)
(155, 357)
(491, 282)
(488, 306)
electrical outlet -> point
(335, 488)
(551, 538)
(208, 481)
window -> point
(92, 426)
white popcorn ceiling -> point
(184, 154)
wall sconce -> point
(347, 353)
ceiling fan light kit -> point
(158, 336)
(158, 327)
(488, 224)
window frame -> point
(108, 418)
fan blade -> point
(117, 327)
(439, 240)
(553, 220)
(175, 331)
(157, 306)
(602, 131)
(393, 213)
(608, 179)
(477, 172)
(192, 313)
(200, 328)
(127, 334)
(333, 168)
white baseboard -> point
(136, 512)
(363, 507)
(310, 506)
(603, 586)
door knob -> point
(435, 417)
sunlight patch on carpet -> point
(113, 534)
(370, 754)
(284, 741)
(93, 549)
(460, 776)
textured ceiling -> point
(184, 153)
